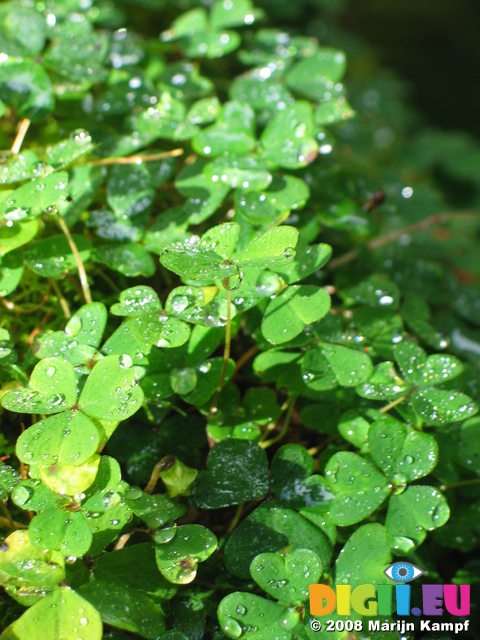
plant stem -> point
(313, 451)
(38, 328)
(236, 518)
(78, 259)
(21, 133)
(271, 426)
(61, 298)
(226, 351)
(286, 423)
(75, 283)
(394, 403)
(108, 280)
(7, 515)
(157, 469)
(245, 357)
(180, 411)
(392, 236)
(137, 159)
(122, 541)
(5, 522)
(11, 306)
(463, 483)
(154, 477)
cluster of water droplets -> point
(259, 623)
(21, 167)
(246, 172)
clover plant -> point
(240, 335)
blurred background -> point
(412, 68)
(433, 45)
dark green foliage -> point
(239, 347)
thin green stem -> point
(245, 357)
(157, 469)
(226, 351)
(394, 403)
(137, 159)
(21, 133)
(463, 483)
(108, 280)
(12, 524)
(236, 518)
(178, 410)
(61, 298)
(313, 451)
(7, 515)
(11, 306)
(78, 259)
(266, 432)
(286, 423)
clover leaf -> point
(68, 479)
(412, 513)
(156, 511)
(79, 342)
(127, 609)
(16, 234)
(69, 437)
(25, 85)
(403, 455)
(203, 36)
(248, 615)
(53, 256)
(150, 323)
(288, 139)
(358, 487)
(34, 197)
(442, 407)
(19, 557)
(9, 478)
(178, 558)
(286, 576)
(52, 389)
(237, 471)
(422, 371)
(211, 257)
(315, 75)
(327, 365)
(271, 527)
(364, 557)
(61, 531)
(293, 483)
(59, 612)
(233, 132)
(111, 391)
(297, 306)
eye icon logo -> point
(403, 572)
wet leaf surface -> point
(237, 471)
(272, 528)
(412, 514)
(358, 487)
(59, 611)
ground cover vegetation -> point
(240, 323)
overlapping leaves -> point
(420, 375)
(64, 445)
(327, 353)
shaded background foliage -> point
(433, 46)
